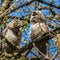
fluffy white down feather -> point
(38, 26)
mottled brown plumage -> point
(38, 28)
(11, 33)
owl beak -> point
(34, 14)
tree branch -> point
(47, 8)
(45, 37)
(5, 5)
(50, 4)
(46, 57)
(14, 8)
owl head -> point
(37, 16)
(14, 25)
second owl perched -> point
(38, 25)
(38, 28)
(12, 34)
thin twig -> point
(41, 52)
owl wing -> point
(35, 30)
(43, 27)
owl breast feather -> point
(11, 37)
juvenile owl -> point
(38, 27)
(13, 34)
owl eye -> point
(34, 14)
(34, 21)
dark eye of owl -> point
(34, 14)
(34, 21)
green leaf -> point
(5, 18)
(3, 26)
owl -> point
(38, 26)
(13, 35)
